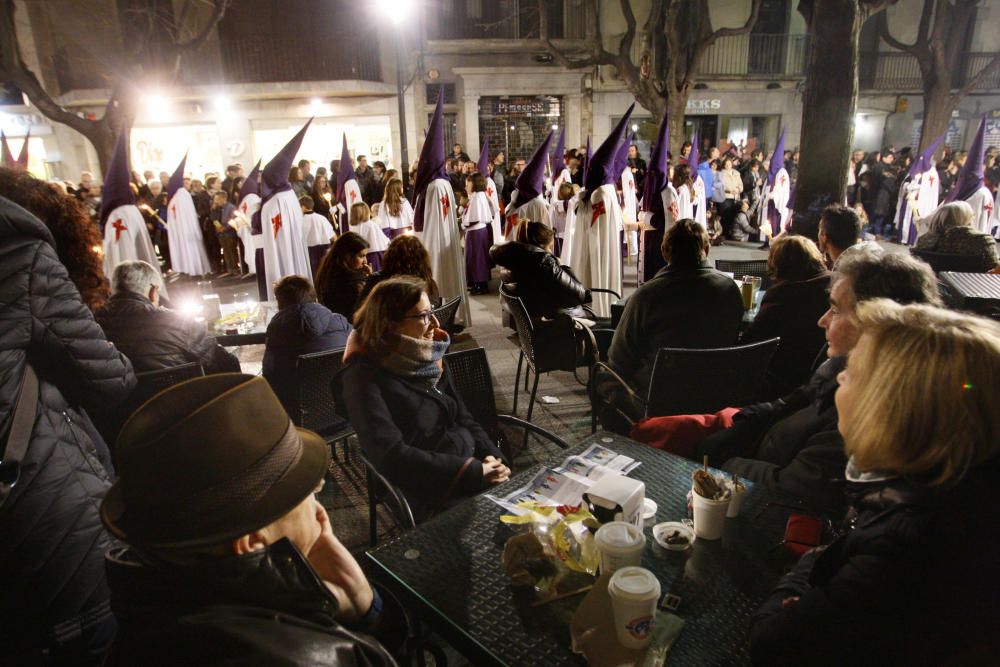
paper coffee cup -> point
(735, 499)
(620, 544)
(634, 593)
(709, 516)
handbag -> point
(20, 433)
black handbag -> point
(20, 433)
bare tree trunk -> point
(937, 112)
(677, 105)
(829, 103)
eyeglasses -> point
(424, 317)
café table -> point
(253, 332)
(976, 292)
(448, 573)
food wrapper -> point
(564, 531)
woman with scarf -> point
(427, 443)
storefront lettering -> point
(521, 107)
(703, 106)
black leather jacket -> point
(267, 607)
(535, 275)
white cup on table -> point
(634, 593)
(620, 544)
(709, 516)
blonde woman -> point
(395, 215)
(911, 579)
(950, 232)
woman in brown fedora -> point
(411, 423)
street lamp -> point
(398, 11)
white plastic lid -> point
(648, 509)
(635, 582)
(618, 535)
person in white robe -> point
(242, 219)
(187, 246)
(527, 201)
(970, 184)
(918, 195)
(779, 188)
(401, 222)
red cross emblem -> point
(931, 179)
(988, 207)
(119, 228)
(782, 179)
(445, 204)
(511, 222)
(598, 212)
(276, 223)
(244, 207)
(674, 211)
(354, 195)
(489, 192)
(173, 210)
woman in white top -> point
(476, 225)
(678, 199)
(363, 225)
(395, 215)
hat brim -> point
(296, 485)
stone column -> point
(471, 117)
(573, 115)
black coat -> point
(52, 542)
(535, 275)
(341, 290)
(912, 581)
(267, 607)
(791, 310)
(154, 338)
(424, 440)
(295, 330)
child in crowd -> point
(559, 212)
(222, 211)
(743, 229)
(476, 221)
(363, 225)
(395, 215)
(317, 232)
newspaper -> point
(566, 483)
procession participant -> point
(970, 185)
(363, 225)
(779, 188)
(476, 221)
(317, 232)
(630, 204)
(249, 204)
(395, 215)
(526, 201)
(483, 167)
(348, 188)
(594, 256)
(918, 195)
(560, 173)
(698, 199)
(434, 216)
(657, 213)
(187, 246)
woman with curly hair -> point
(55, 359)
(342, 274)
(406, 256)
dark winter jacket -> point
(52, 542)
(154, 338)
(295, 330)
(791, 444)
(423, 440)
(791, 310)
(535, 275)
(341, 291)
(912, 581)
(267, 607)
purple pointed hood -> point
(586, 160)
(430, 166)
(22, 157)
(693, 156)
(344, 174)
(117, 190)
(176, 181)
(656, 173)
(557, 161)
(925, 160)
(6, 158)
(777, 159)
(531, 182)
(621, 157)
(970, 176)
(275, 175)
(600, 170)
(251, 186)
(483, 166)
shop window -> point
(432, 93)
(517, 124)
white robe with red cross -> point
(495, 225)
(698, 203)
(126, 238)
(285, 251)
(595, 255)
(444, 245)
(982, 205)
(187, 246)
(241, 223)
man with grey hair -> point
(153, 337)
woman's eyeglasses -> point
(424, 317)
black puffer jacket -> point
(52, 542)
(535, 275)
(154, 338)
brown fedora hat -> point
(209, 460)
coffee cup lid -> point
(635, 582)
(618, 534)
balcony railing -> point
(506, 19)
(253, 61)
(898, 71)
(765, 56)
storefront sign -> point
(521, 106)
(704, 106)
(18, 124)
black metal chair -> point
(942, 261)
(151, 383)
(691, 382)
(381, 490)
(446, 312)
(316, 406)
(746, 267)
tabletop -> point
(448, 570)
(252, 332)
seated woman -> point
(342, 274)
(411, 423)
(908, 580)
(950, 232)
(406, 256)
(301, 326)
(534, 274)
(790, 309)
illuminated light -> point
(635, 127)
(512, 127)
(967, 386)
(555, 126)
(191, 308)
(396, 10)
(222, 103)
(316, 102)
(157, 106)
(97, 250)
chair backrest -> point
(704, 381)
(522, 322)
(446, 312)
(151, 383)
(943, 261)
(317, 409)
(746, 267)
(469, 371)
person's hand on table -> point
(340, 572)
(494, 471)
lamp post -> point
(397, 11)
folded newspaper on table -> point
(566, 483)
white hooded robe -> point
(187, 246)
(595, 256)
(444, 245)
(285, 251)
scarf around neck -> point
(418, 358)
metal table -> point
(976, 292)
(253, 334)
(448, 572)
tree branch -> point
(883, 31)
(971, 84)
(625, 46)
(923, 30)
(744, 29)
(196, 42)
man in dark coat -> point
(154, 337)
(230, 556)
(55, 593)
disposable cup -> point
(634, 593)
(709, 516)
(620, 544)
(735, 499)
